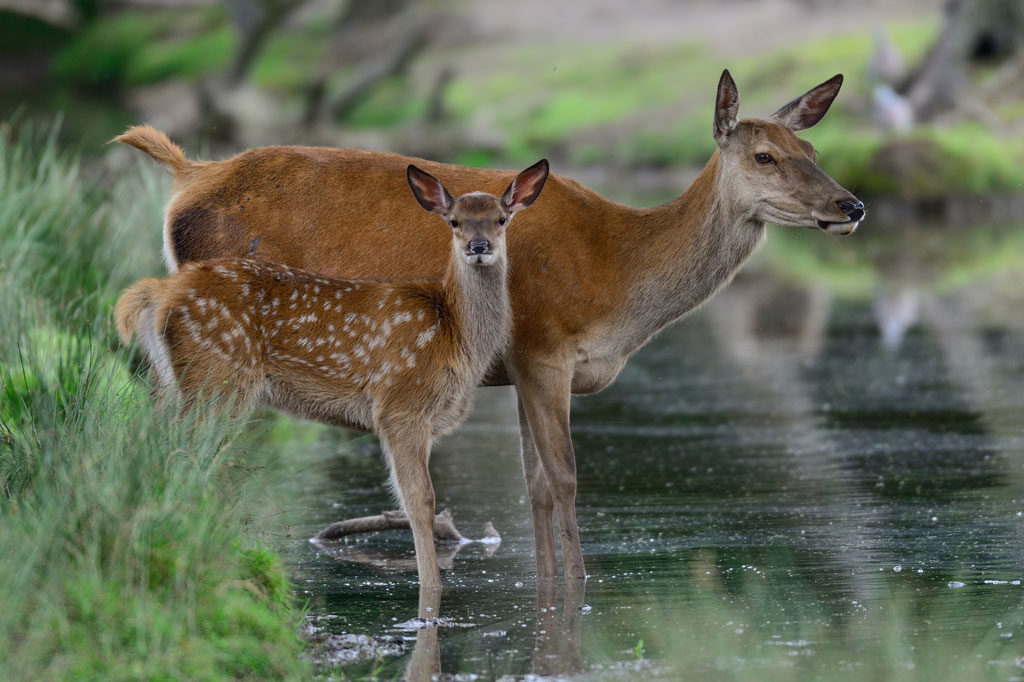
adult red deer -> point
(591, 280)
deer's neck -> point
(478, 297)
(685, 251)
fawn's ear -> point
(727, 107)
(810, 107)
(429, 191)
(525, 189)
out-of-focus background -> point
(819, 475)
(932, 104)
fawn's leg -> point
(544, 392)
(542, 503)
(408, 450)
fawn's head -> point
(478, 220)
(773, 172)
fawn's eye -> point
(501, 221)
(454, 223)
(764, 159)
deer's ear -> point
(727, 107)
(809, 108)
(525, 189)
(429, 191)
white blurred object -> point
(890, 110)
(895, 315)
(886, 65)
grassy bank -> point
(125, 548)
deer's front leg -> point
(544, 392)
(542, 503)
(408, 448)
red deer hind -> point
(401, 359)
(591, 280)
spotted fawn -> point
(399, 358)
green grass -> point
(127, 551)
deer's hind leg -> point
(407, 447)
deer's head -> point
(772, 172)
(478, 220)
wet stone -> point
(328, 650)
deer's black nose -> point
(479, 246)
(853, 208)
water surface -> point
(819, 474)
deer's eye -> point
(454, 223)
(764, 159)
(501, 221)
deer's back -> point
(350, 213)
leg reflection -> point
(557, 642)
(425, 661)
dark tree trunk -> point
(973, 30)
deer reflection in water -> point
(558, 617)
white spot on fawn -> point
(424, 337)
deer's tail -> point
(137, 299)
(158, 145)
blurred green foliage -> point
(25, 35)
(132, 48)
(621, 103)
(944, 257)
(739, 627)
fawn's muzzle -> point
(479, 246)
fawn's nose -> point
(853, 208)
(479, 246)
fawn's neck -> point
(478, 297)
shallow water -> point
(805, 478)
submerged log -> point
(444, 527)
